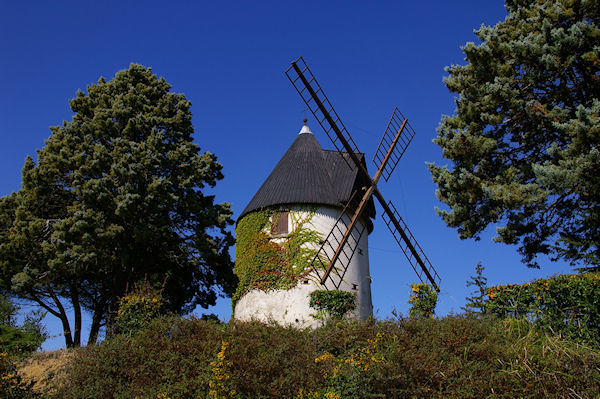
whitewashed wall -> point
(291, 306)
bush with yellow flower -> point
(346, 375)
(568, 304)
(140, 306)
(423, 300)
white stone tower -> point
(306, 191)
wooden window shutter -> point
(280, 226)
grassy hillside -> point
(454, 356)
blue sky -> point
(229, 58)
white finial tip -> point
(305, 128)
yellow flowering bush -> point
(220, 378)
(7, 373)
(423, 300)
(315, 395)
(138, 308)
(346, 375)
(568, 304)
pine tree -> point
(476, 302)
(117, 195)
(19, 339)
(525, 139)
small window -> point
(280, 225)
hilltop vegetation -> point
(538, 339)
(456, 356)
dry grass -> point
(45, 370)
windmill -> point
(333, 257)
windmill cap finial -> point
(305, 128)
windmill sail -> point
(410, 247)
(397, 123)
(317, 102)
(392, 146)
(332, 245)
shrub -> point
(332, 303)
(350, 372)
(17, 342)
(565, 304)
(136, 309)
(423, 300)
(219, 382)
(172, 357)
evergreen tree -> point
(8, 311)
(476, 302)
(19, 340)
(525, 139)
(116, 196)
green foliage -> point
(116, 194)
(476, 302)
(138, 308)
(173, 357)
(525, 139)
(211, 317)
(15, 343)
(19, 340)
(264, 263)
(565, 304)
(8, 311)
(423, 300)
(332, 303)
(451, 357)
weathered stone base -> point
(286, 307)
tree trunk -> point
(96, 324)
(62, 315)
(66, 330)
(77, 312)
(110, 319)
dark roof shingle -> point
(307, 174)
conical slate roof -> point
(307, 174)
